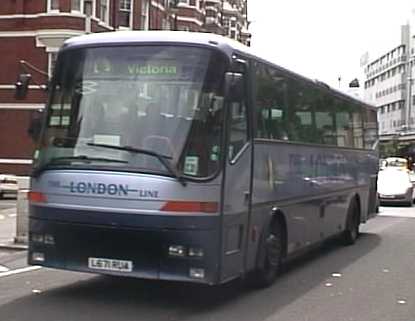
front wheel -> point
(266, 274)
(351, 233)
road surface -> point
(374, 280)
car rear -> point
(8, 186)
(394, 186)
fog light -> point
(38, 257)
(37, 238)
(196, 252)
(49, 239)
(177, 250)
(197, 273)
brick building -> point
(33, 31)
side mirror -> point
(35, 126)
(22, 86)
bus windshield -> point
(129, 107)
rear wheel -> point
(351, 233)
(266, 274)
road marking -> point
(3, 268)
(12, 215)
(2, 217)
(18, 271)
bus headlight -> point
(43, 238)
(38, 257)
(49, 239)
(37, 238)
(197, 273)
(177, 250)
(196, 252)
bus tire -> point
(351, 233)
(272, 249)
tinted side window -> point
(271, 103)
(292, 109)
(370, 129)
(344, 132)
(300, 119)
(325, 120)
(357, 126)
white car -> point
(8, 185)
(395, 186)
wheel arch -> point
(356, 198)
(277, 215)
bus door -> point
(237, 183)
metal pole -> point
(407, 80)
(149, 14)
(408, 83)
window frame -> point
(81, 7)
(107, 13)
(49, 6)
(130, 13)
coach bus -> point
(184, 156)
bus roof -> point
(226, 45)
(177, 37)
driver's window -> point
(238, 134)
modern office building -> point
(389, 86)
(33, 31)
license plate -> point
(110, 264)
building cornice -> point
(42, 33)
(16, 161)
(27, 106)
(44, 14)
(191, 20)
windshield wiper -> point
(162, 158)
(68, 159)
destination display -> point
(179, 68)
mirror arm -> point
(26, 66)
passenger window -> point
(271, 103)
(357, 127)
(301, 119)
(325, 127)
(344, 131)
(370, 129)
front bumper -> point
(146, 248)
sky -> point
(323, 39)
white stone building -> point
(389, 86)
